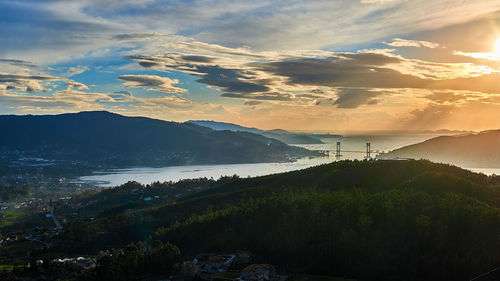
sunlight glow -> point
(497, 46)
(494, 56)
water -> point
(174, 173)
(353, 147)
(486, 171)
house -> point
(80, 262)
(190, 269)
(204, 266)
(259, 272)
(242, 257)
(85, 263)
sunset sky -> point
(297, 65)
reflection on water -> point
(486, 171)
(353, 147)
(175, 173)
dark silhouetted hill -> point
(471, 150)
(112, 139)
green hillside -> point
(378, 220)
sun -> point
(497, 46)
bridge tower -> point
(337, 152)
(368, 150)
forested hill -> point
(472, 150)
(107, 138)
(371, 220)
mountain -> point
(222, 126)
(470, 150)
(369, 220)
(278, 134)
(106, 138)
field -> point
(9, 217)
(9, 267)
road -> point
(56, 221)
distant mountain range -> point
(106, 138)
(480, 150)
(278, 134)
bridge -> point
(338, 151)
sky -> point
(336, 66)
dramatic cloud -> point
(60, 30)
(158, 83)
(209, 71)
(279, 55)
(353, 79)
(378, 70)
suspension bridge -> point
(338, 151)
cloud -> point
(194, 46)
(22, 63)
(252, 103)
(273, 53)
(230, 80)
(211, 72)
(355, 97)
(273, 96)
(136, 36)
(50, 30)
(167, 101)
(377, 1)
(447, 97)
(75, 70)
(309, 96)
(14, 78)
(379, 70)
(492, 56)
(398, 42)
(342, 70)
(431, 116)
(341, 79)
(195, 58)
(25, 82)
(78, 85)
(72, 99)
(158, 83)
(56, 31)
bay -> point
(352, 147)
